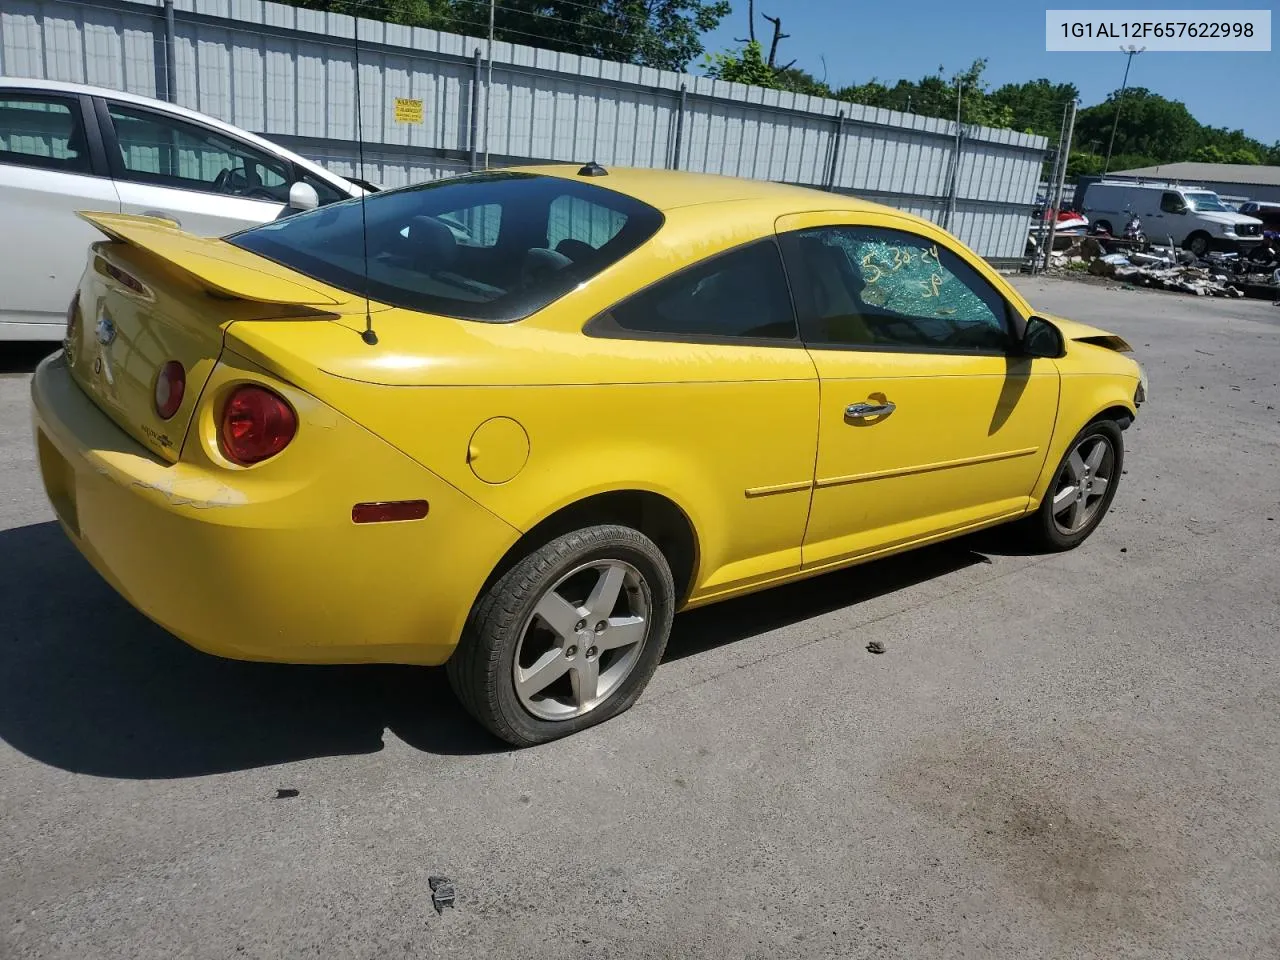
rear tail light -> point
(170, 387)
(73, 315)
(257, 424)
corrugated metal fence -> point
(289, 74)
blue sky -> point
(890, 39)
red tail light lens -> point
(170, 387)
(73, 315)
(257, 424)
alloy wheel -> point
(582, 640)
(1083, 483)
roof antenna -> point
(368, 336)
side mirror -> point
(303, 196)
(1043, 339)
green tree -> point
(1036, 106)
(801, 81)
(1149, 125)
(748, 66)
(654, 33)
(935, 96)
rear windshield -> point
(489, 246)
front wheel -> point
(1082, 489)
(568, 637)
(1198, 243)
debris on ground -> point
(286, 793)
(441, 892)
(875, 646)
(1169, 268)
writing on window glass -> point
(912, 280)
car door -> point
(51, 165)
(207, 181)
(735, 413)
(1169, 217)
(931, 422)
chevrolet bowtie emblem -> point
(106, 330)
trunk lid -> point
(152, 294)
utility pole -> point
(1062, 176)
(955, 161)
(1058, 159)
(1130, 51)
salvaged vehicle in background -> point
(513, 422)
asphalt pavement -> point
(1069, 756)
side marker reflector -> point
(389, 511)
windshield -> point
(489, 246)
(1204, 200)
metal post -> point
(955, 163)
(488, 87)
(1132, 52)
(1048, 193)
(475, 110)
(170, 55)
(1062, 176)
(835, 152)
(675, 154)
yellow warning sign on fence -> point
(408, 111)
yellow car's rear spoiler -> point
(215, 264)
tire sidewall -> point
(605, 543)
(1048, 528)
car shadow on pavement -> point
(708, 627)
(89, 685)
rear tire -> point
(1073, 506)
(567, 638)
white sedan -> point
(66, 147)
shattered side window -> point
(889, 288)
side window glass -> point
(574, 223)
(43, 132)
(173, 153)
(741, 294)
(889, 289)
(1171, 203)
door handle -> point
(862, 411)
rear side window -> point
(473, 247)
(45, 132)
(740, 295)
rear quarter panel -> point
(697, 423)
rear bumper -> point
(272, 569)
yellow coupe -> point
(512, 422)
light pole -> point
(1130, 51)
